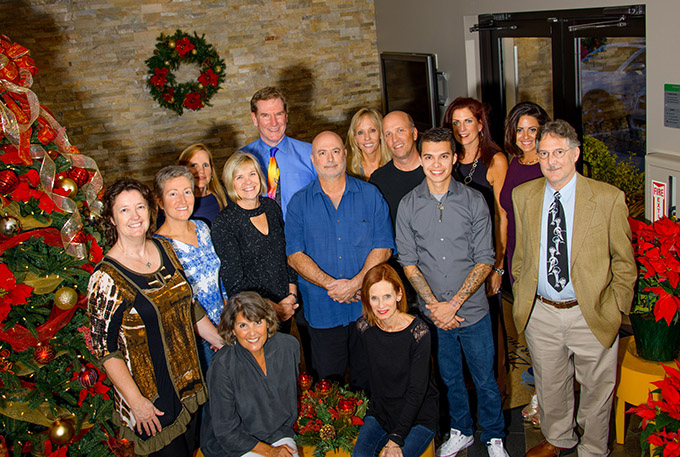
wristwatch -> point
(500, 271)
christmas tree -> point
(54, 400)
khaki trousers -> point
(563, 349)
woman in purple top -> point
(521, 127)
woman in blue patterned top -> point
(174, 189)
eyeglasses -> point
(557, 153)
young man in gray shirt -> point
(443, 235)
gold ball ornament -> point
(167, 63)
(9, 226)
(218, 69)
(172, 100)
(68, 185)
(171, 45)
(194, 52)
(61, 431)
(65, 298)
(200, 86)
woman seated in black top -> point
(402, 414)
(252, 382)
(248, 238)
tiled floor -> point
(522, 436)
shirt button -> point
(339, 238)
(443, 258)
(338, 220)
(339, 257)
(341, 276)
(441, 239)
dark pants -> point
(333, 349)
(183, 445)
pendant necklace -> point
(468, 178)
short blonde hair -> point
(353, 149)
(236, 161)
(253, 307)
(214, 186)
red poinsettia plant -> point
(657, 249)
(661, 418)
(329, 416)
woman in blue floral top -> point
(174, 189)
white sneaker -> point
(456, 443)
(495, 448)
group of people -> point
(443, 208)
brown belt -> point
(566, 304)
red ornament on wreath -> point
(8, 181)
(88, 377)
(44, 353)
(79, 175)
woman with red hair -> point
(402, 415)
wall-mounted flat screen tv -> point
(409, 83)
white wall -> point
(441, 27)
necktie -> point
(273, 189)
(558, 257)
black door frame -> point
(565, 53)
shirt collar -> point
(280, 145)
(422, 191)
(351, 185)
(565, 191)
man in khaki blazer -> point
(570, 308)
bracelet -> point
(500, 271)
(293, 294)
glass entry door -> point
(584, 66)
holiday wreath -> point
(170, 53)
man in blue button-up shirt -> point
(338, 227)
(269, 111)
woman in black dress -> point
(249, 240)
(402, 414)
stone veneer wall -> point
(91, 53)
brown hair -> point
(268, 93)
(381, 272)
(519, 110)
(354, 151)
(119, 186)
(487, 146)
(253, 307)
(214, 186)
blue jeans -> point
(476, 342)
(372, 437)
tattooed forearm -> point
(417, 280)
(473, 281)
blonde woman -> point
(365, 149)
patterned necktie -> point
(558, 258)
(273, 190)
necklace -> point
(468, 178)
(136, 258)
(531, 162)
